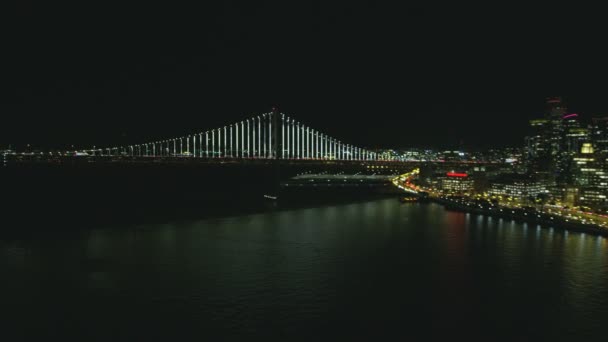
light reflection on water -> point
(345, 270)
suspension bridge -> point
(263, 153)
(268, 136)
(261, 139)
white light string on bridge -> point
(251, 138)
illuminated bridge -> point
(272, 135)
(263, 140)
(265, 154)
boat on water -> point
(408, 199)
(271, 197)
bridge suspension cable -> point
(271, 135)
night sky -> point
(375, 75)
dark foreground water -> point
(377, 270)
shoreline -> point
(523, 215)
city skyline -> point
(230, 170)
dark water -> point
(370, 270)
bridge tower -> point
(277, 150)
(276, 139)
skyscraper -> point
(570, 156)
(591, 167)
(555, 140)
(545, 143)
(599, 134)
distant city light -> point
(456, 174)
(569, 116)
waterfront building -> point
(455, 183)
(517, 187)
(590, 173)
(590, 168)
(593, 197)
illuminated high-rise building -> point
(591, 177)
(555, 140)
(569, 156)
(575, 138)
(591, 171)
(599, 134)
(575, 135)
(545, 143)
(537, 146)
